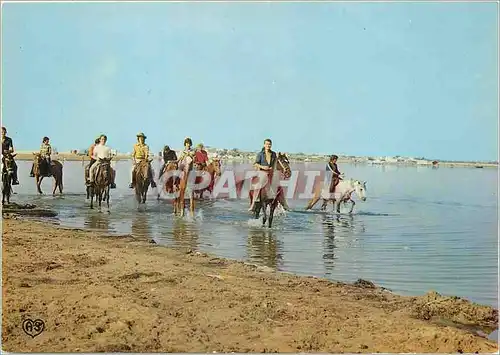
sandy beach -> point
(101, 293)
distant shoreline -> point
(248, 157)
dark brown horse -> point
(213, 169)
(41, 170)
(141, 180)
(7, 176)
(282, 164)
(102, 182)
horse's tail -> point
(60, 177)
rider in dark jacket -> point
(8, 147)
(168, 155)
(334, 170)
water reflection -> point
(264, 248)
(185, 234)
(140, 225)
(338, 229)
(97, 221)
(329, 243)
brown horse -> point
(213, 169)
(102, 182)
(41, 170)
(282, 164)
(142, 180)
(172, 182)
(7, 176)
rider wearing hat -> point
(141, 152)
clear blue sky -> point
(411, 79)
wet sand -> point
(101, 293)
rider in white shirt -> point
(101, 151)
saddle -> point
(334, 183)
(100, 165)
(45, 168)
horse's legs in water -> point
(38, 180)
(256, 209)
(55, 186)
(352, 205)
(107, 197)
(60, 183)
(315, 199)
(92, 193)
(100, 199)
(271, 212)
(264, 212)
(325, 203)
(191, 204)
(338, 204)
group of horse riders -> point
(99, 150)
(264, 161)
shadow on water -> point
(264, 248)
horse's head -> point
(199, 166)
(360, 189)
(36, 157)
(105, 161)
(171, 165)
(283, 165)
(216, 164)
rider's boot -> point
(14, 177)
(90, 179)
(132, 184)
(112, 185)
(150, 173)
(161, 171)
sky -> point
(370, 79)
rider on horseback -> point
(8, 147)
(264, 162)
(332, 168)
(92, 160)
(45, 159)
(101, 151)
(168, 155)
(187, 152)
(141, 152)
(201, 156)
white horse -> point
(343, 192)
